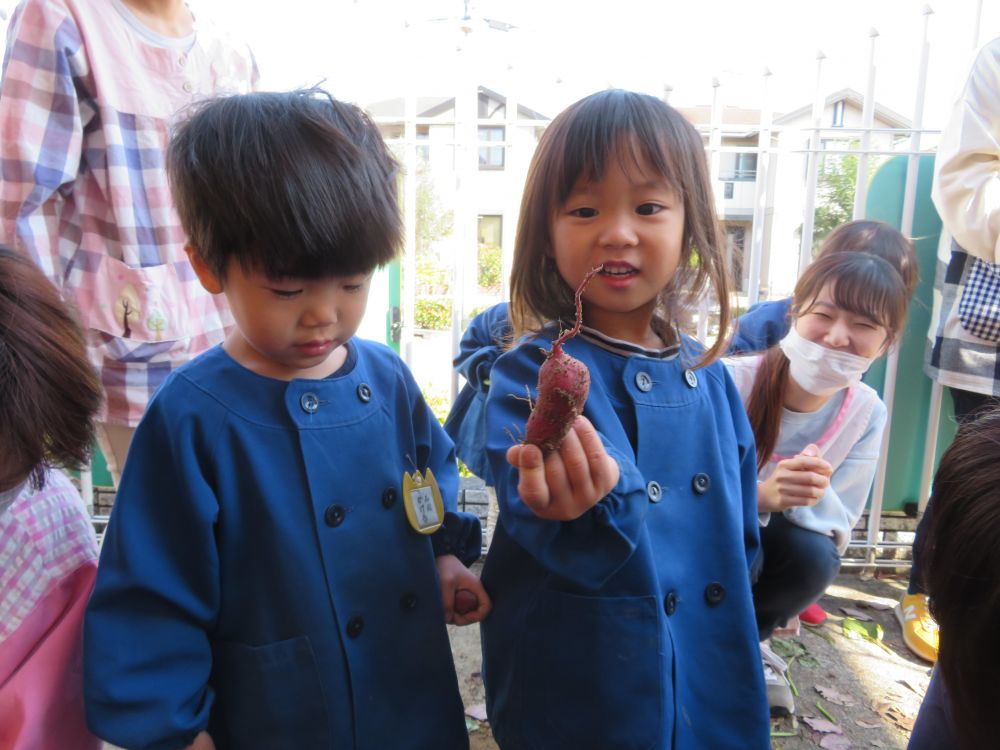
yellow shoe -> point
(920, 632)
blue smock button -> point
(714, 593)
(701, 483)
(408, 601)
(643, 382)
(690, 378)
(364, 392)
(334, 516)
(354, 626)
(309, 402)
(654, 492)
(389, 497)
(670, 603)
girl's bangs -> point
(614, 127)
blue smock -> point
(481, 344)
(259, 577)
(761, 327)
(631, 626)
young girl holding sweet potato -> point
(620, 567)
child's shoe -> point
(779, 690)
(920, 631)
(813, 615)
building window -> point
(728, 191)
(491, 157)
(739, 167)
(423, 142)
(838, 114)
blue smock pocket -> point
(270, 696)
(592, 673)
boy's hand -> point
(462, 593)
(202, 742)
(796, 482)
(571, 479)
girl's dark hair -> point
(962, 575)
(876, 238)
(580, 143)
(863, 284)
(292, 184)
(49, 393)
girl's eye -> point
(584, 213)
(351, 288)
(286, 293)
(648, 209)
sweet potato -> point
(563, 384)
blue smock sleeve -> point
(147, 656)
(761, 327)
(481, 344)
(591, 548)
(461, 533)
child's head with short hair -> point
(645, 138)
(294, 184)
(962, 574)
(289, 200)
(879, 239)
(49, 393)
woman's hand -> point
(796, 482)
(571, 479)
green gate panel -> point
(911, 405)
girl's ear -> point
(208, 279)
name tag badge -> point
(422, 500)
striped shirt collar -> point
(627, 348)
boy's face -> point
(289, 328)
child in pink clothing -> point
(49, 394)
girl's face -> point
(632, 223)
(824, 323)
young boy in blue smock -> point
(284, 550)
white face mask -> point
(819, 370)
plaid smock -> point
(963, 348)
(86, 105)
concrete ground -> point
(858, 693)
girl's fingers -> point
(603, 469)
(575, 469)
(532, 485)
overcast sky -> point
(560, 50)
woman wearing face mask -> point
(818, 431)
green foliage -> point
(433, 314)
(433, 222)
(490, 268)
(835, 195)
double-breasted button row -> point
(644, 382)
(310, 402)
(701, 483)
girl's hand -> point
(462, 593)
(571, 479)
(796, 482)
(202, 742)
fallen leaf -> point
(856, 614)
(835, 696)
(869, 631)
(477, 712)
(868, 723)
(787, 648)
(916, 688)
(471, 725)
(835, 742)
(822, 725)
